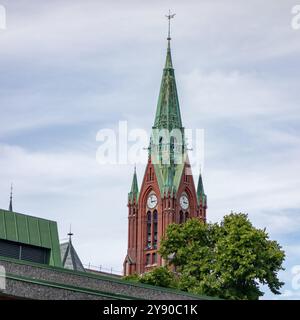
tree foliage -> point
(229, 260)
(133, 277)
(160, 276)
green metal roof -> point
(168, 117)
(32, 231)
(168, 110)
(168, 177)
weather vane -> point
(170, 16)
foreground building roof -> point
(69, 257)
(25, 280)
(29, 238)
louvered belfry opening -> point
(20, 251)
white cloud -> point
(82, 62)
(235, 96)
(71, 188)
(291, 295)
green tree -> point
(133, 277)
(229, 260)
(160, 276)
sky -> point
(71, 68)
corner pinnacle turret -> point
(201, 196)
(134, 191)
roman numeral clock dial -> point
(152, 201)
(184, 202)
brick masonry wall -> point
(77, 280)
(38, 292)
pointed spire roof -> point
(69, 256)
(168, 111)
(11, 199)
(201, 196)
(134, 191)
(168, 117)
(169, 63)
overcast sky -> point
(71, 68)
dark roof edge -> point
(27, 215)
(108, 278)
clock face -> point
(152, 201)
(184, 202)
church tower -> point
(167, 194)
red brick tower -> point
(168, 193)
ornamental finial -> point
(169, 17)
(70, 234)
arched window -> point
(154, 258)
(149, 230)
(160, 149)
(155, 229)
(160, 143)
(186, 177)
(148, 259)
(172, 143)
(186, 216)
(181, 217)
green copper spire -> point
(134, 191)
(165, 151)
(169, 64)
(168, 110)
(201, 196)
